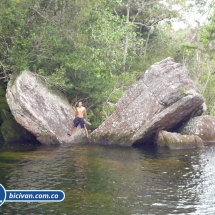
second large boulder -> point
(162, 99)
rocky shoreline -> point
(164, 107)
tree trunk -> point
(126, 37)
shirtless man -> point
(79, 118)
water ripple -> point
(112, 180)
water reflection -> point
(205, 186)
(111, 180)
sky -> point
(192, 18)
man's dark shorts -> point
(78, 121)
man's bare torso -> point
(80, 111)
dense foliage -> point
(93, 50)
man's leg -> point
(72, 129)
(86, 131)
(75, 125)
(83, 125)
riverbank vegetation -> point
(93, 50)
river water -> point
(107, 180)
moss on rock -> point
(1, 139)
(3, 103)
(4, 106)
(3, 100)
(13, 132)
(2, 91)
(5, 115)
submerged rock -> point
(46, 114)
(178, 141)
(202, 126)
(164, 97)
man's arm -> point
(76, 112)
(85, 112)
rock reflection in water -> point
(111, 180)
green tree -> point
(90, 49)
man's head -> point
(79, 104)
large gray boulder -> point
(178, 141)
(202, 126)
(164, 97)
(46, 114)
